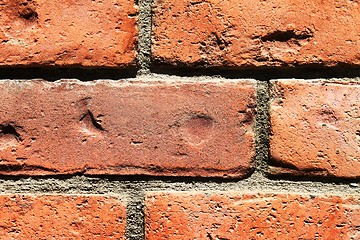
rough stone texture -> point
(174, 128)
(315, 128)
(61, 217)
(66, 33)
(252, 33)
(235, 215)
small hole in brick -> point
(28, 14)
(8, 129)
(26, 10)
(136, 142)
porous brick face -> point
(256, 33)
(67, 33)
(315, 128)
(61, 217)
(115, 127)
(235, 215)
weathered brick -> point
(315, 128)
(252, 33)
(67, 33)
(235, 215)
(61, 217)
(174, 128)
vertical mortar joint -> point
(262, 126)
(144, 36)
(135, 222)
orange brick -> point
(61, 217)
(235, 215)
(67, 33)
(253, 33)
(184, 128)
(315, 128)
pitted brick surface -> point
(256, 33)
(236, 215)
(127, 127)
(315, 128)
(61, 217)
(67, 33)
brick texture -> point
(67, 33)
(315, 128)
(234, 215)
(61, 217)
(115, 127)
(253, 33)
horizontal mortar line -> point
(87, 185)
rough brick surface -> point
(117, 127)
(82, 32)
(315, 128)
(251, 33)
(61, 217)
(251, 216)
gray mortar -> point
(262, 126)
(135, 215)
(136, 189)
(144, 36)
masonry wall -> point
(179, 119)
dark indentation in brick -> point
(137, 142)
(284, 36)
(9, 129)
(27, 10)
(89, 116)
(220, 41)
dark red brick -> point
(235, 215)
(254, 33)
(61, 217)
(66, 33)
(184, 128)
(315, 128)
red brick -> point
(65, 33)
(236, 215)
(252, 33)
(315, 128)
(185, 128)
(61, 217)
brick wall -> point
(179, 119)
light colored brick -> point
(315, 128)
(61, 217)
(236, 215)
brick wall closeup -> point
(191, 119)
